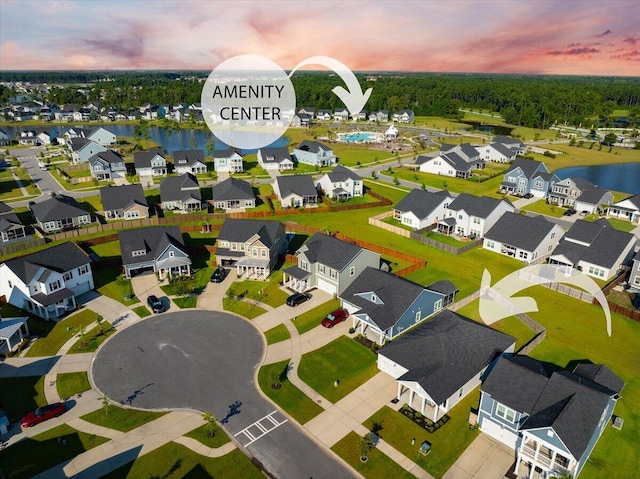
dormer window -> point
(374, 298)
(171, 254)
(139, 252)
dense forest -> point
(528, 100)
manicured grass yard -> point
(312, 318)
(378, 466)
(248, 310)
(174, 460)
(444, 239)
(92, 339)
(20, 395)
(111, 283)
(621, 225)
(34, 455)
(459, 185)
(344, 360)
(198, 283)
(62, 332)
(201, 435)
(288, 397)
(267, 292)
(187, 302)
(542, 207)
(447, 442)
(121, 419)
(107, 250)
(70, 384)
(142, 311)
(277, 334)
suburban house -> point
(628, 209)
(422, 208)
(233, 193)
(551, 417)
(329, 264)
(450, 163)
(473, 216)
(388, 305)
(11, 228)
(160, 249)
(527, 238)
(341, 114)
(275, 158)
(252, 246)
(594, 200)
(314, 153)
(526, 176)
(380, 116)
(181, 193)
(101, 136)
(634, 274)
(124, 202)
(341, 184)
(324, 115)
(296, 191)
(565, 192)
(403, 116)
(300, 120)
(59, 213)
(4, 138)
(511, 143)
(596, 249)
(497, 152)
(307, 110)
(48, 282)
(441, 361)
(189, 161)
(150, 162)
(83, 149)
(107, 165)
(228, 161)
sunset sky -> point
(511, 36)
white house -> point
(276, 158)
(227, 161)
(497, 152)
(594, 200)
(627, 209)
(421, 208)
(314, 153)
(150, 162)
(341, 183)
(473, 215)
(189, 161)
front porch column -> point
(436, 411)
(531, 470)
(424, 402)
(381, 342)
(26, 327)
(411, 395)
(399, 391)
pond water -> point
(621, 177)
(489, 129)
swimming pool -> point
(359, 137)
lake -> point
(488, 128)
(622, 177)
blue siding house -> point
(314, 153)
(551, 417)
(528, 177)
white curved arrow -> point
(496, 302)
(353, 98)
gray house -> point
(59, 213)
(296, 191)
(150, 162)
(526, 176)
(565, 192)
(329, 264)
(551, 418)
(83, 149)
(314, 153)
(442, 360)
(160, 249)
(11, 228)
(388, 305)
(594, 200)
(233, 193)
(181, 193)
(124, 202)
(627, 209)
(107, 165)
(634, 274)
(341, 183)
(189, 161)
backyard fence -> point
(376, 221)
(12, 248)
(449, 248)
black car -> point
(155, 304)
(218, 275)
(297, 298)
(569, 212)
(528, 196)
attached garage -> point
(325, 285)
(500, 433)
(82, 287)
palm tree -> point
(212, 423)
(366, 444)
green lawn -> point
(450, 240)
(107, 250)
(394, 222)
(110, 282)
(489, 187)
(198, 283)
(267, 292)
(92, 339)
(288, 397)
(248, 310)
(70, 384)
(142, 311)
(440, 123)
(8, 186)
(621, 225)
(26, 181)
(32, 456)
(67, 185)
(92, 204)
(187, 302)
(343, 359)
(201, 435)
(62, 332)
(312, 318)
(277, 334)
(447, 443)
(544, 208)
(121, 419)
(20, 395)
(378, 466)
(576, 156)
(175, 461)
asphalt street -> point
(206, 360)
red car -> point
(42, 414)
(334, 318)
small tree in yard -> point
(99, 320)
(366, 444)
(212, 423)
(105, 404)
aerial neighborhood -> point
(356, 249)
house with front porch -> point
(295, 191)
(552, 418)
(150, 162)
(59, 213)
(276, 158)
(497, 152)
(189, 161)
(12, 332)
(594, 200)
(403, 116)
(512, 143)
(445, 164)
(342, 114)
(472, 216)
(47, 283)
(341, 184)
(314, 153)
(232, 193)
(384, 305)
(634, 274)
(526, 176)
(565, 192)
(181, 194)
(329, 264)
(627, 209)
(422, 208)
(82, 149)
(596, 249)
(323, 115)
(252, 246)
(439, 362)
(159, 249)
(126, 202)
(11, 228)
(227, 161)
(526, 238)
(107, 165)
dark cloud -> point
(606, 32)
(578, 51)
(628, 55)
(632, 40)
(129, 47)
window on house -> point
(10, 285)
(489, 243)
(418, 316)
(476, 221)
(538, 184)
(321, 268)
(523, 254)
(333, 274)
(171, 254)
(505, 413)
(562, 461)
(83, 269)
(636, 280)
(352, 271)
(373, 298)
(55, 285)
(138, 253)
(254, 252)
(553, 235)
(68, 275)
(437, 305)
(461, 392)
(263, 253)
(234, 246)
(304, 265)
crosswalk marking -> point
(271, 424)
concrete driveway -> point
(483, 459)
(206, 360)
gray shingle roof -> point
(301, 185)
(227, 153)
(152, 240)
(600, 374)
(142, 159)
(480, 206)
(233, 189)
(275, 154)
(109, 156)
(240, 230)
(77, 144)
(312, 146)
(60, 258)
(5, 208)
(188, 157)
(330, 251)
(421, 202)
(505, 150)
(180, 188)
(122, 197)
(524, 232)
(444, 286)
(341, 174)
(458, 162)
(506, 140)
(528, 167)
(592, 195)
(444, 353)
(580, 182)
(57, 208)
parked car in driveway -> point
(338, 316)
(569, 212)
(584, 213)
(297, 298)
(42, 414)
(155, 304)
(218, 275)
(528, 196)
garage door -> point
(326, 286)
(81, 288)
(496, 431)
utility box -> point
(4, 423)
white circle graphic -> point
(248, 101)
